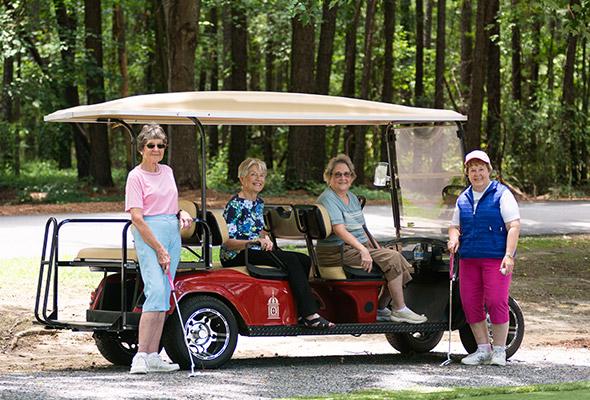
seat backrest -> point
(315, 220)
(218, 226)
(190, 235)
(281, 222)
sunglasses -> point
(342, 174)
(152, 145)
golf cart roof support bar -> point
(394, 182)
(132, 135)
(207, 243)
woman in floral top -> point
(244, 214)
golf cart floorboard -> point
(346, 329)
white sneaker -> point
(498, 357)
(480, 357)
(139, 364)
(156, 364)
(408, 316)
(383, 315)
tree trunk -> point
(516, 55)
(568, 156)
(466, 48)
(100, 161)
(584, 154)
(160, 76)
(348, 82)
(214, 85)
(534, 64)
(493, 86)
(419, 64)
(9, 149)
(439, 98)
(182, 18)
(428, 24)
(324, 58)
(387, 91)
(551, 54)
(360, 139)
(119, 38)
(302, 140)
(238, 141)
(269, 85)
(473, 131)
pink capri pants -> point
(483, 287)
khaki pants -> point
(390, 261)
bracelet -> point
(509, 255)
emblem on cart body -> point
(273, 307)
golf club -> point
(451, 280)
(190, 354)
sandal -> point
(317, 323)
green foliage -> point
(43, 182)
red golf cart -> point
(423, 174)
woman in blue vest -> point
(484, 230)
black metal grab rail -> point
(47, 284)
(48, 270)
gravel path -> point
(337, 366)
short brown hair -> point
(339, 159)
(150, 132)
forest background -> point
(518, 69)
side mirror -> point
(381, 177)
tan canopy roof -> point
(250, 108)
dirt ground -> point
(550, 285)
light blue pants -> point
(155, 282)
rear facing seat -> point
(114, 254)
(315, 221)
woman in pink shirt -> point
(152, 199)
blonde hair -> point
(150, 132)
(339, 159)
(248, 163)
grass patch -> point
(562, 391)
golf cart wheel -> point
(417, 342)
(515, 331)
(210, 329)
(118, 348)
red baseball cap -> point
(478, 155)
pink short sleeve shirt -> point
(154, 192)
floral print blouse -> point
(245, 220)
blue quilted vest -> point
(483, 232)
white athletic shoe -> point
(383, 315)
(408, 316)
(498, 357)
(480, 357)
(139, 364)
(156, 364)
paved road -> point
(22, 236)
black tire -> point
(211, 331)
(118, 348)
(515, 331)
(417, 342)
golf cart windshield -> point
(429, 171)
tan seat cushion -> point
(105, 254)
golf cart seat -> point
(100, 258)
(315, 223)
(219, 234)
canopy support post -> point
(207, 243)
(394, 181)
